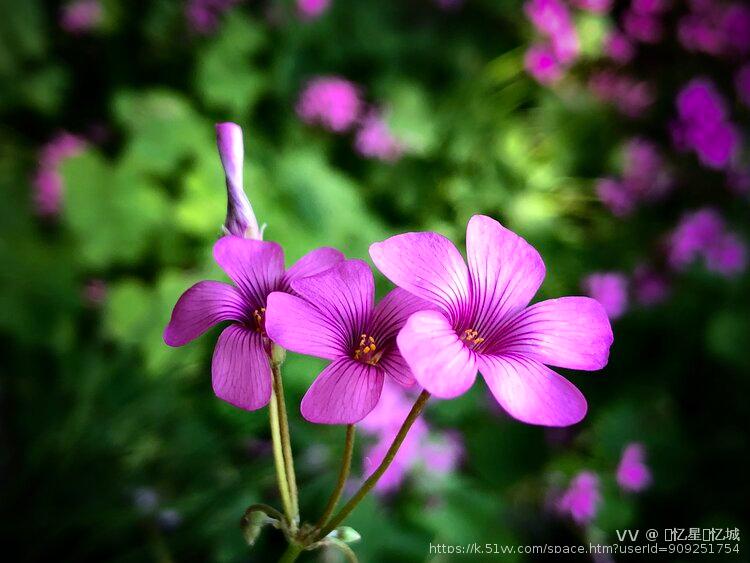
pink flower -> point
(632, 473)
(596, 6)
(336, 319)
(375, 140)
(619, 47)
(642, 27)
(483, 322)
(610, 289)
(406, 460)
(727, 256)
(443, 452)
(312, 9)
(330, 101)
(48, 182)
(615, 196)
(542, 64)
(552, 19)
(649, 286)
(240, 370)
(81, 16)
(203, 15)
(582, 498)
(631, 97)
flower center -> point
(259, 316)
(367, 352)
(471, 338)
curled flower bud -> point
(240, 219)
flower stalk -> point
(346, 463)
(372, 480)
(285, 441)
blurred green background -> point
(112, 445)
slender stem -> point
(268, 510)
(346, 463)
(286, 443)
(292, 552)
(378, 473)
(278, 458)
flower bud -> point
(240, 219)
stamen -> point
(259, 317)
(471, 336)
(367, 351)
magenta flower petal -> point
(240, 371)
(569, 332)
(440, 361)
(201, 307)
(506, 271)
(344, 393)
(427, 265)
(256, 266)
(531, 392)
(314, 262)
(295, 324)
(395, 366)
(344, 294)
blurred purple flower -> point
(80, 16)
(715, 28)
(610, 289)
(596, 6)
(541, 63)
(203, 15)
(375, 140)
(633, 475)
(630, 96)
(330, 101)
(335, 318)
(736, 27)
(650, 287)
(552, 19)
(643, 27)
(312, 9)
(442, 453)
(650, 6)
(449, 5)
(619, 48)
(169, 519)
(703, 124)
(742, 83)
(95, 292)
(727, 256)
(582, 498)
(482, 322)
(616, 196)
(48, 182)
(644, 171)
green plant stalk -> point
(286, 443)
(292, 552)
(278, 458)
(346, 463)
(378, 473)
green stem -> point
(278, 458)
(378, 473)
(292, 552)
(346, 463)
(286, 443)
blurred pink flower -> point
(633, 474)
(630, 96)
(610, 289)
(95, 292)
(541, 63)
(442, 453)
(615, 196)
(643, 27)
(375, 140)
(728, 256)
(312, 9)
(596, 6)
(80, 16)
(331, 102)
(582, 498)
(203, 15)
(619, 48)
(48, 182)
(552, 20)
(649, 286)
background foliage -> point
(97, 414)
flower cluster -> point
(645, 178)
(336, 104)
(703, 234)
(47, 182)
(547, 60)
(715, 28)
(582, 499)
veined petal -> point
(201, 307)
(241, 373)
(427, 265)
(297, 325)
(531, 392)
(344, 393)
(570, 332)
(506, 272)
(392, 312)
(256, 266)
(438, 358)
(394, 365)
(344, 294)
(314, 262)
